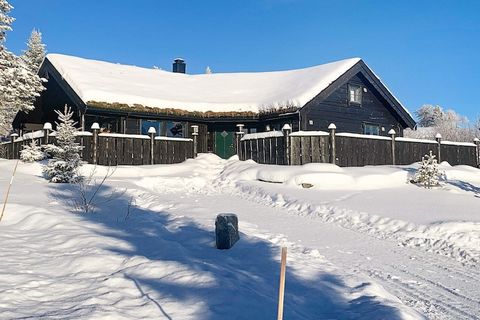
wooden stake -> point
(8, 190)
(281, 291)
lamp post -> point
(195, 140)
(47, 127)
(152, 133)
(95, 128)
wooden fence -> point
(114, 149)
(350, 150)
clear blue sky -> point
(425, 51)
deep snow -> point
(372, 246)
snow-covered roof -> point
(218, 92)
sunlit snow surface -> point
(362, 244)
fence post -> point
(195, 140)
(392, 134)
(95, 128)
(477, 143)
(438, 137)
(152, 133)
(333, 152)
(287, 129)
(47, 127)
(12, 138)
(238, 136)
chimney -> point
(179, 65)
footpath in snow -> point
(353, 252)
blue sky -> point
(425, 51)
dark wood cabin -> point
(356, 101)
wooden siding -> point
(335, 108)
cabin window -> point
(174, 129)
(371, 129)
(354, 94)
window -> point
(174, 129)
(354, 94)
(371, 129)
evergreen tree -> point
(35, 52)
(19, 84)
(32, 152)
(63, 168)
(428, 174)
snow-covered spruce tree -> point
(428, 173)
(63, 168)
(32, 152)
(35, 53)
(19, 84)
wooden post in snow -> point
(438, 137)
(477, 143)
(8, 190)
(152, 133)
(195, 140)
(392, 134)
(333, 152)
(47, 127)
(281, 290)
(95, 128)
(238, 135)
(13, 137)
(287, 129)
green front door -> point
(224, 144)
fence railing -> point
(112, 148)
(350, 150)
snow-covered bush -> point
(66, 153)
(32, 152)
(428, 174)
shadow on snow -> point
(245, 278)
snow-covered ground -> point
(363, 243)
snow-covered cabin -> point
(130, 99)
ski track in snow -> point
(438, 298)
(436, 277)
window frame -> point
(365, 125)
(360, 91)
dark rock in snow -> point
(226, 230)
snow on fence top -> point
(262, 135)
(218, 92)
(172, 138)
(363, 136)
(31, 135)
(466, 144)
(414, 140)
(308, 133)
(121, 135)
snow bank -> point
(322, 176)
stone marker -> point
(226, 230)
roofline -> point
(362, 67)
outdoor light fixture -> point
(47, 126)
(95, 126)
(152, 130)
